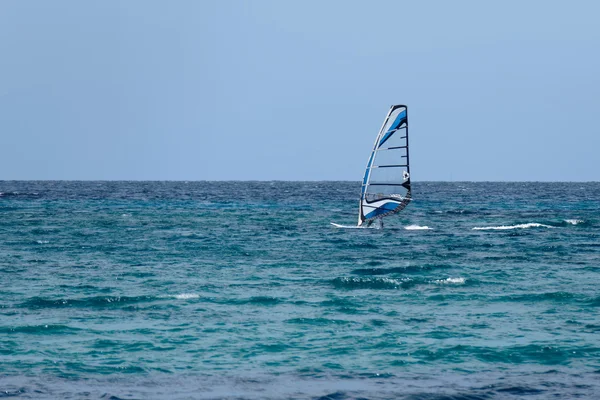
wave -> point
(538, 353)
(266, 300)
(255, 300)
(595, 302)
(48, 329)
(461, 212)
(19, 194)
(569, 222)
(459, 281)
(559, 297)
(508, 227)
(385, 283)
(417, 228)
(574, 221)
(318, 321)
(343, 302)
(186, 296)
(409, 269)
(371, 283)
(98, 301)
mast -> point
(365, 183)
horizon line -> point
(281, 180)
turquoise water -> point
(244, 290)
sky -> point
(297, 90)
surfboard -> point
(347, 226)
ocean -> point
(243, 290)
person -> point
(376, 219)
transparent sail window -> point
(390, 157)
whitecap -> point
(458, 281)
(416, 228)
(518, 226)
(574, 221)
(186, 296)
(43, 241)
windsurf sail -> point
(386, 185)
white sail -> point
(386, 184)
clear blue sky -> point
(297, 90)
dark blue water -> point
(243, 290)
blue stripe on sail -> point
(386, 207)
(367, 173)
(400, 119)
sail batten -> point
(386, 186)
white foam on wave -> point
(574, 221)
(458, 281)
(186, 296)
(43, 241)
(518, 226)
(417, 228)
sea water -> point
(243, 290)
